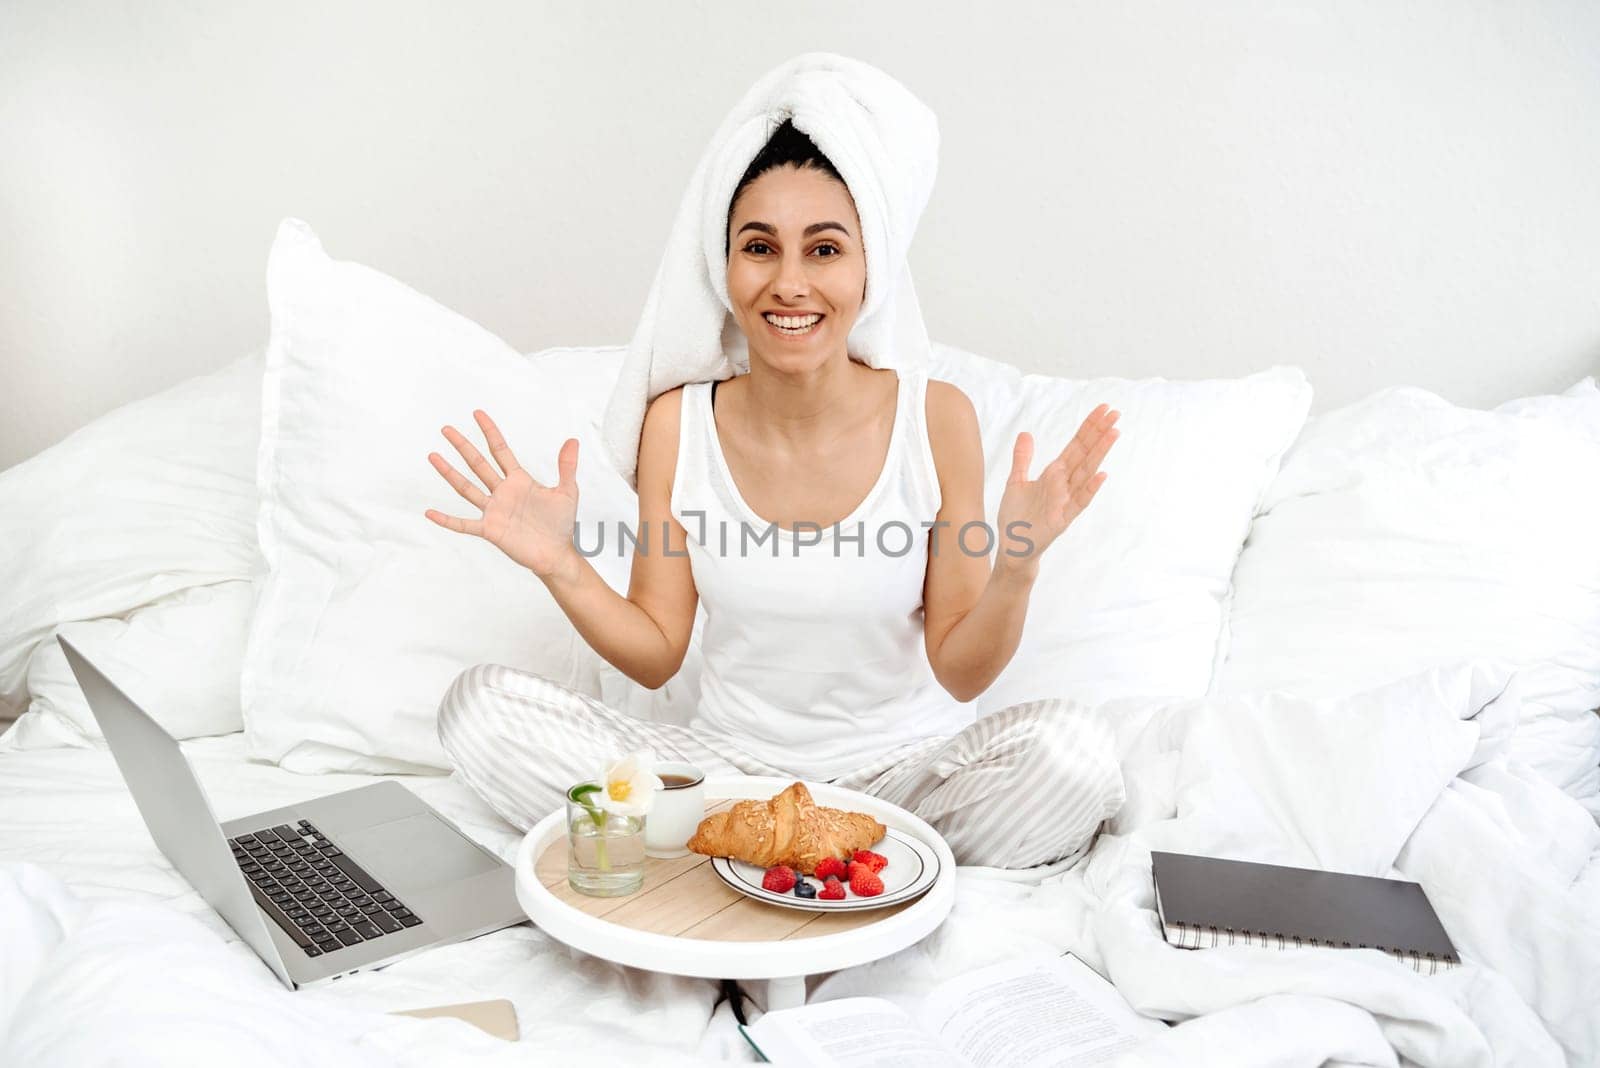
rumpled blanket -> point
(1408, 781)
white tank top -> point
(813, 642)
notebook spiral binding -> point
(1188, 936)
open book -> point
(1051, 1012)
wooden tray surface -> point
(684, 897)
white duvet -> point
(109, 957)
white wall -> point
(1379, 192)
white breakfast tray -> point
(686, 921)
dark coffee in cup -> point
(676, 809)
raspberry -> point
(864, 882)
(832, 890)
(780, 880)
(876, 861)
(830, 866)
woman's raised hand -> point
(1049, 504)
(529, 521)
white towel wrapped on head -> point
(883, 141)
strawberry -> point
(830, 866)
(864, 882)
(832, 890)
(876, 861)
(780, 880)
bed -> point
(1367, 640)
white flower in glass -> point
(628, 787)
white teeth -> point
(792, 322)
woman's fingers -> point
(456, 523)
(1094, 487)
(1073, 502)
(1094, 427)
(1091, 462)
(464, 486)
(485, 471)
(567, 465)
(1021, 457)
(480, 467)
(497, 443)
(1080, 441)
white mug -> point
(675, 812)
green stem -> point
(600, 847)
(598, 818)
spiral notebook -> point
(1208, 901)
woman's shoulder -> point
(950, 411)
(953, 432)
(664, 412)
(658, 440)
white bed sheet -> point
(67, 813)
(1511, 864)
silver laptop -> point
(319, 889)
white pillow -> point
(178, 658)
(1577, 408)
(154, 497)
(370, 609)
(1130, 600)
(1405, 532)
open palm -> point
(529, 521)
(1049, 503)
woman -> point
(862, 481)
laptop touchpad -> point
(415, 853)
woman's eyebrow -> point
(767, 228)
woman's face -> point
(794, 252)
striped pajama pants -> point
(1024, 786)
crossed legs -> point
(1024, 786)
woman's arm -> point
(972, 615)
(645, 634)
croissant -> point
(790, 828)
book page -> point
(1049, 1012)
(853, 1032)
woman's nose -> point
(791, 283)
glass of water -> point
(605, 851)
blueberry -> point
(803, 888)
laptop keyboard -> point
(318, 895)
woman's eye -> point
(761, 247)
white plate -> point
(913, 867)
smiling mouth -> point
(800, 324)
